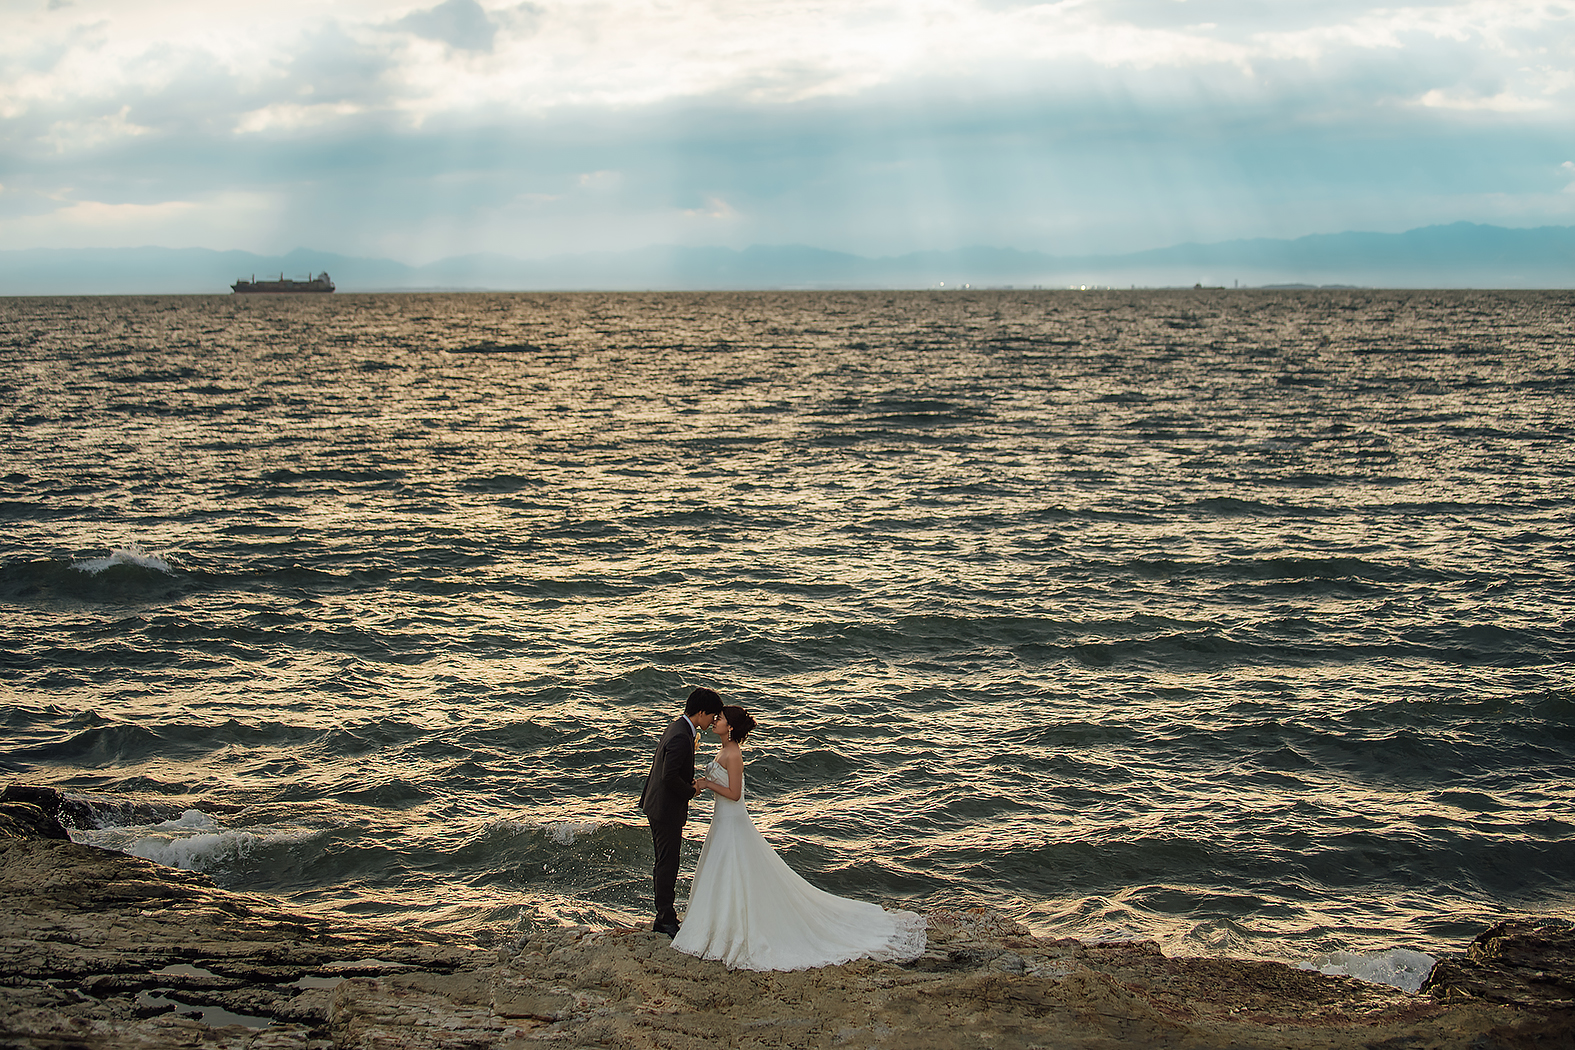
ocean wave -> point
(501, 482)
(391, 793)
(564, 832)
(105, 742)
(381, 476)
(193, 840)
(1234, 507)
(131, 556)
(589, 836)
(120, 577)
(100, 746)
(87, 813)
(1141, 638)
(588, 853)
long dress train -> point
(751, 911)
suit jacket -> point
(670, 784)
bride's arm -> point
(733, 762)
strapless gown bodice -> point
(716, 771)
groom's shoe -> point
(669, 928)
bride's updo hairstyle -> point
(738, 722)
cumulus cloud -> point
(600, 180)
(639, 52)
(72, 223)
(715, 208)
(292, 116)
(68, 135)
(461, 24)
(1503, 102)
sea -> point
(1238, 620)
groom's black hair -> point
(703, 699)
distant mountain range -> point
(1461, 255)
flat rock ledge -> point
(103, 950)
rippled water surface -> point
(1242, 620)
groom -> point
(665, 800)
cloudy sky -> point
(418, 130)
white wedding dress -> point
(751, 911)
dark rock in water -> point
(31, 813)
(1529, 963)
(63, 811)
(23, 820)
(1524, 964)
(45, 798)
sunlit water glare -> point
(1241, 620)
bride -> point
(749, 910)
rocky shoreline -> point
(104, 950)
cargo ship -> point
(320, 283)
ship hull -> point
(252, 289)
(284, 286)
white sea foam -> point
(563, 832)
(193, 840)
(128, 556)
(1400, 967)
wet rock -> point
(27, 820)
(63, 811)
(1528, 963)
(104, 950)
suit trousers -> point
(668, 838)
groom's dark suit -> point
(665, 800)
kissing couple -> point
(747, 908)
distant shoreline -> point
(1459, 255)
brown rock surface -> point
(103, 950)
